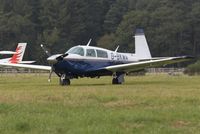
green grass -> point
(152, 104)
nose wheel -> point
(64, 81)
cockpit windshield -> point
(76, 50)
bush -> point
(193, 69)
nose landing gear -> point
(64, 80)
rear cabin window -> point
(90, 53)
(76, 50)
(102, 54)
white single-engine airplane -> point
(87, 61)
(17, 55)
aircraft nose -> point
(52, 59)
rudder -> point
(17, 58)
(141, 47)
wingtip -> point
(187, 57)
(191, 57)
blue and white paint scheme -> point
(88, 61)
(85, 60)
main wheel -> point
(68, 81)
(114, 81)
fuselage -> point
(82, 60)
(6, 60)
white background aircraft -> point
(87, 61)
(7, 52)
(17, 55)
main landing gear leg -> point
(64, 81)
(118, 79)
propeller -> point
(59, 59)
(50, 74)
(48, 54)
(45, 50)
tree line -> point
(172, 27)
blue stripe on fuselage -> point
(80, 67)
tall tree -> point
(114, 15)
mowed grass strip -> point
(147, 104)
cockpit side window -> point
(90, 53)
(76, 50)
(102, 54)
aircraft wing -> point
(26, 62)
(37, 67)
(7, 52)
(131, 67)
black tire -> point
(115, 81)
(68, 81)
(64, 82)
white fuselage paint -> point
(112, 56)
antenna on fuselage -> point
(89, 42)
(117, 49)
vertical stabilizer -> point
(17, 58)
(141, 47)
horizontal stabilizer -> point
(7, 52)
(26, 62)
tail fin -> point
(141, 47)
(17, 58)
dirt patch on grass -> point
(126, 125)
(180, 124)
(119, 103)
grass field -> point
(152, 104)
